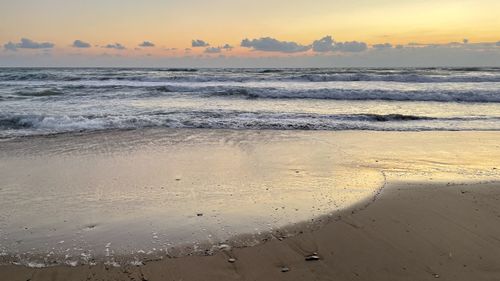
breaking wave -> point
(51, 124)
(53, 100)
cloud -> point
(416, 44)
(116, 46)
(213, 50)
(322, 45)
(350, 46)
(475, 54)
(147, 44)
(10, 46)
(199, 43)
(80, 44)
(399, 46)
(268, 44)
(465, 40)
(217, 50)
(498, 44)
(327, 44)
(28, 44)
(382, 46)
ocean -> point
(42, 101)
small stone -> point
(435, 275)
(177, 179)
(199, 214)
(313, 257)
(232, 260)
(285, 269)
(224, 247)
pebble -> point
(224, 247)
(285, 269)
(232, 260)
(313, 257)
(199, 214)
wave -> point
(272, 70)
(358, 94)
(466, 93)
(178, 70)
(402, 78)
(21, 125)
(426, 75)
(41, 93)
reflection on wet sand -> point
(118, 196)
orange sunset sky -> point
(166, 28)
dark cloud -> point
(147, 44)
(350, 46)
(465, 40)
(213, 50)
(199, 43)
(227, 47)
(498, 43)
(28, 44)
(323, 45)
(80, 44)
(268, 44)
(382, 46)
(10, 46)
(327, 44)
(399, 46)
(116, 46)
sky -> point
(242, 33)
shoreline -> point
(98, 132)
(426, 170)
(369, 241)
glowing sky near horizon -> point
(175, 23)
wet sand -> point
(410, 232)
(435, 215)
(124, 196)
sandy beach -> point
(425, 208)
(410, 232)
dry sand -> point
(410, 232)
